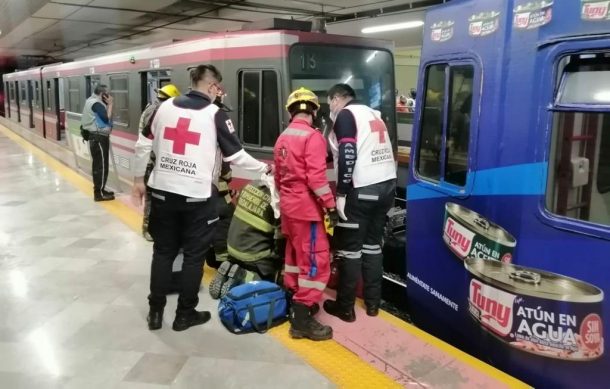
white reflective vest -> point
(187, 153)
(375, 158)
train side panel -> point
(505, 210)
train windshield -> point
(370, 72)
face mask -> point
(333, 116)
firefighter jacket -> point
(253, 228)
(186, 134)
(300, 172)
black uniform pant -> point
(175, 222)
(225, 213)
(358, 241)
(99, 146)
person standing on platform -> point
(164, 93)
(96, 119)
(366, 182)
(305, 195)
(186, 134)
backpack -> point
(84, 134)
(253, 306)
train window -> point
(445, 124)
(74, 98)
(36, 94)
(50, 103)
(578, 185)
(119, 89)
(430, 141)
(11, 91)
(259, 101)
(22, 92)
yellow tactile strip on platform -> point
(342, 367)
(334, 361)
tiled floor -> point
(73, 286)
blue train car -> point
(509, 186)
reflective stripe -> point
(303, 283)
(349, 254)
(364, 251)
(295, 132)
(195, 200)
(322, 191)
(247, 257)
(291, 269)
(252, 220)
(158, 196)
(213, 220)
(368, 197)
(371, 246)
(354, 226)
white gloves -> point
(341, 207)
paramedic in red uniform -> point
(186, 133)
(366, 182)
(300, 176)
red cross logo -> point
(181, 135)
(378, 125)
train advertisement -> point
(508, 194)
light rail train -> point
(508, 230)
(259, 68)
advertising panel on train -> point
(508, 196)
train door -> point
(57, 107)
(30, 95)
(19, 98)
(8, 96)
(150, 82)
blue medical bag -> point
(253, 306)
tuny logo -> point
(595, 11)
(458, 237)
(495, 306)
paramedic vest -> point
(89, 119)
(375, 159)
(186, 151)
(253, 227)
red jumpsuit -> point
(300, 176)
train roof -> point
(467, 25)
(219, 46)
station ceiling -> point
(69, 29)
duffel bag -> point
(253, 306)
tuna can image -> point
(535, 311)
(532, 14)
(442, 31)
(483, 23)
(470, 235)
(593, 10)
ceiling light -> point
(370, 58)
(348, 79)
(392, 27)
(602, 96)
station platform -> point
(73, 284)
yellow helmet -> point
(303, 96)
(168, 91)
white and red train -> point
(259, 70)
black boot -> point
(107, 192)
(302, 325)
(184, 321)
(100, 196)
(314, 309)
(155, 319)
(333, 308)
